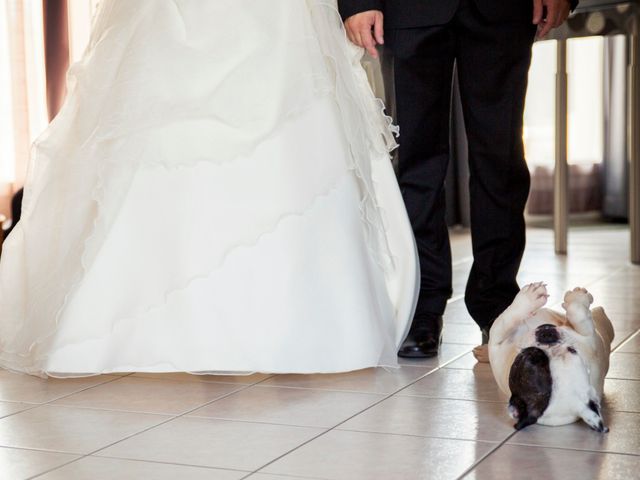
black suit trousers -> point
(492, 61)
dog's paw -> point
(577, 295)
(592, 416)
(531, 298)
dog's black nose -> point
(547, 334)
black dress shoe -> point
(424, 338)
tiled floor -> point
(442, 418)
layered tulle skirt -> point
(216, 195)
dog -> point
(552, 364)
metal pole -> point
(561, 172)
(634, 138)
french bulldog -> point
(552, 364)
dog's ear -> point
(530, 384)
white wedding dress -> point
(216, 195)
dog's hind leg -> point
(576, 303)
(585, 322)
(591, 415)
(603, 324)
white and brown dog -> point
(552, 364)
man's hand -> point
(549, 14)
(366, 30)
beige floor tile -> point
(188, 377)
(617, 309)
(622, 395)
(289, 406)
(342, 455)
(622, 438)
(465, 420)
(624, 320)
(460, 276)
(603, 289)
(447, 353)
(467, 362)
(213, 443)
(511, 461)
(625, 366)
(149, 395)
(17, 464)
(96, 468)
(622, 313)
(625, 278)
(456, 312)
(16, 387)
(458, 318)
(372, 380)
(9, 408)
(458, 286)
(460, 242)
(632, 345)
(459, 384)
(536, 264)
(72, 430)
(467, 334)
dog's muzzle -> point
(547, 334)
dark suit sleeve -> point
(351, 7)
(574, 4)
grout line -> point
(568, 449)
(172, 418)
(155, 461)
(426, 397)
(324, 389)
(547, 447)
(36, 405)
(625, 341)
(41, 450)
(486, 455)
(287, 475)
(457, 357)
(56, 468)
(623, 379)
(49, 402)
(115, 379)
(416, 435)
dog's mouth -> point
(548, 335)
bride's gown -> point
(215, 196)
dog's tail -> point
(603, 324)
